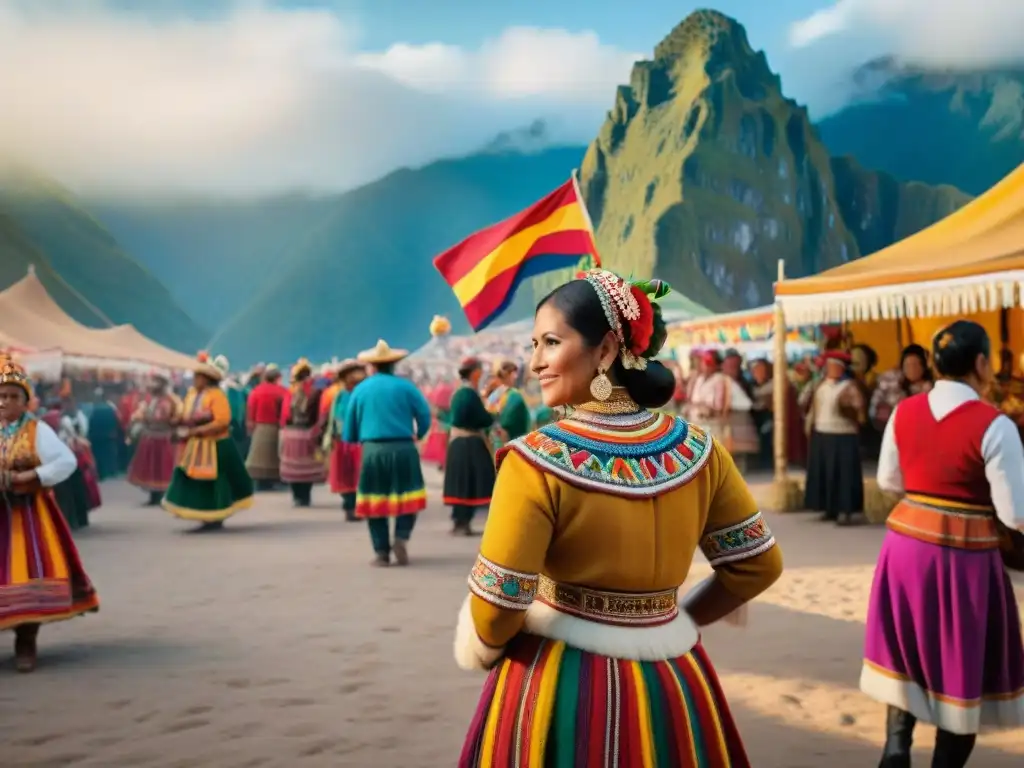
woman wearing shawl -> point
(508, 405)
(302, 465)
(74, 426)
(469, 465)
(435, 447)
(41, 575)
(105, 435)
(574, 598)
(209, 483)
(152, 432)
(913, 377)
(70, 493)
(343, 475)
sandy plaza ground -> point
(273, 643)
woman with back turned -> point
(593, 526)
(943, 640)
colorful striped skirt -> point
(343, 472)
(390, 480)
(301, 459)
(213, 500)
(41, 576)
(549, 705)
(943, 636)
(153, 463)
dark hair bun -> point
(650, 388)
(956, 348)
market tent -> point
(143, 348)
(30, 315)
(10, 344)
(970, 264)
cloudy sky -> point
(249, 98)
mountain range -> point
(703, 172)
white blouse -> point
(58, 462)
(1001, 450)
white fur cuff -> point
(470, 651)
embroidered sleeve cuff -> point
(743, 540)
(503, 587)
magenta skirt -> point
(435, 447)
(301, 460)
(943, 638)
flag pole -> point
(586, 214)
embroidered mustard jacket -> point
(614, 503)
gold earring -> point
(601, 386)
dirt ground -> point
(272, 643)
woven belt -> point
(946, 523)
(624, 608)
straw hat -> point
(382, 353)
(215, 370)
(302, 367)
(348, 365)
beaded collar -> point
(632, 453)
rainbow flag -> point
(485, 269)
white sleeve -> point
(1004, 467)
(889, 476)
(58, 461)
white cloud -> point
(930, 32)
(260, 99)
(524, 62)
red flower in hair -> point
(641, 329)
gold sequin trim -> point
(629, 608)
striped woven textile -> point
(549, 705)
(41, 575)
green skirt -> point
(211, 501)
(390, 480)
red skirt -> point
(154, 461)
(87, 463)
(435, 447)
(343, 472)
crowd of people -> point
(599, 494)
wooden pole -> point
(779, 385)
(785, 491)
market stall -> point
(48, 341)
(968, 265)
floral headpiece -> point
(12, 373)
(629, 305)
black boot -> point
(952, 750)
(155, 497)
(899, 738)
